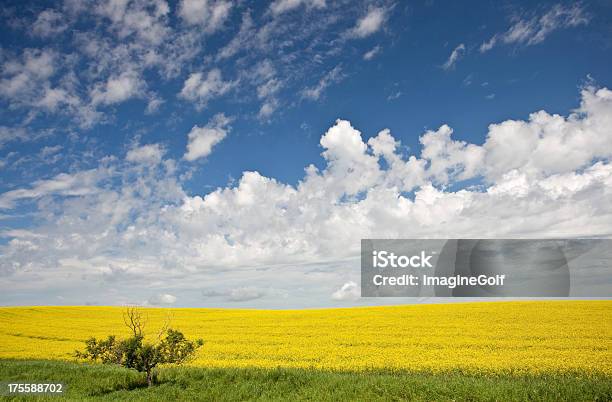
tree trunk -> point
(149, 377)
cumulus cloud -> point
(348, 292)
(209, 15)
(282, 6)
(455, 55)
(548, 175)
(150, 154)
(370, 23)
(549, 144)
(201, 90)
(534, 30)
(245, 294)
(162, 299)
(201, 140)
(450, 159)
(117, 89)
(268, 108)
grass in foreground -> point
(101, 382)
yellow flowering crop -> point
(529, 336)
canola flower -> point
(493, 337)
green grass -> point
(100, 382)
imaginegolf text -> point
(449, 281)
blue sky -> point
(125, 115)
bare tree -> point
(135, 320)
(166, 325)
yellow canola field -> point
(530, 336)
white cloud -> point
(153, 104)
(117, 89)
(455, 55)
(162, 299)
(135, 36)
(202, 90)
(49, 23)
(201, 140)
(268, 88)
(210, 15)
(268, 108)
(348, 292)
(370, 54)
(240, 40)
(245, 294)
(283, 6)
(146, 19)
(104, 62)
(548, 175)
(370, 23)
(264, 77)
(450, 159)
(114, 51)
(67, 185)
(333, 76)
(150, 154)
(10, 134)
(395, 95)
(50, 151)
(53, 98)
(121, 44)
(22, 134)
(488, 45)
(531, 31)
(274, 44)
(23, 77)
(549, 144)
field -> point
(543, 350)
(532, 337)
